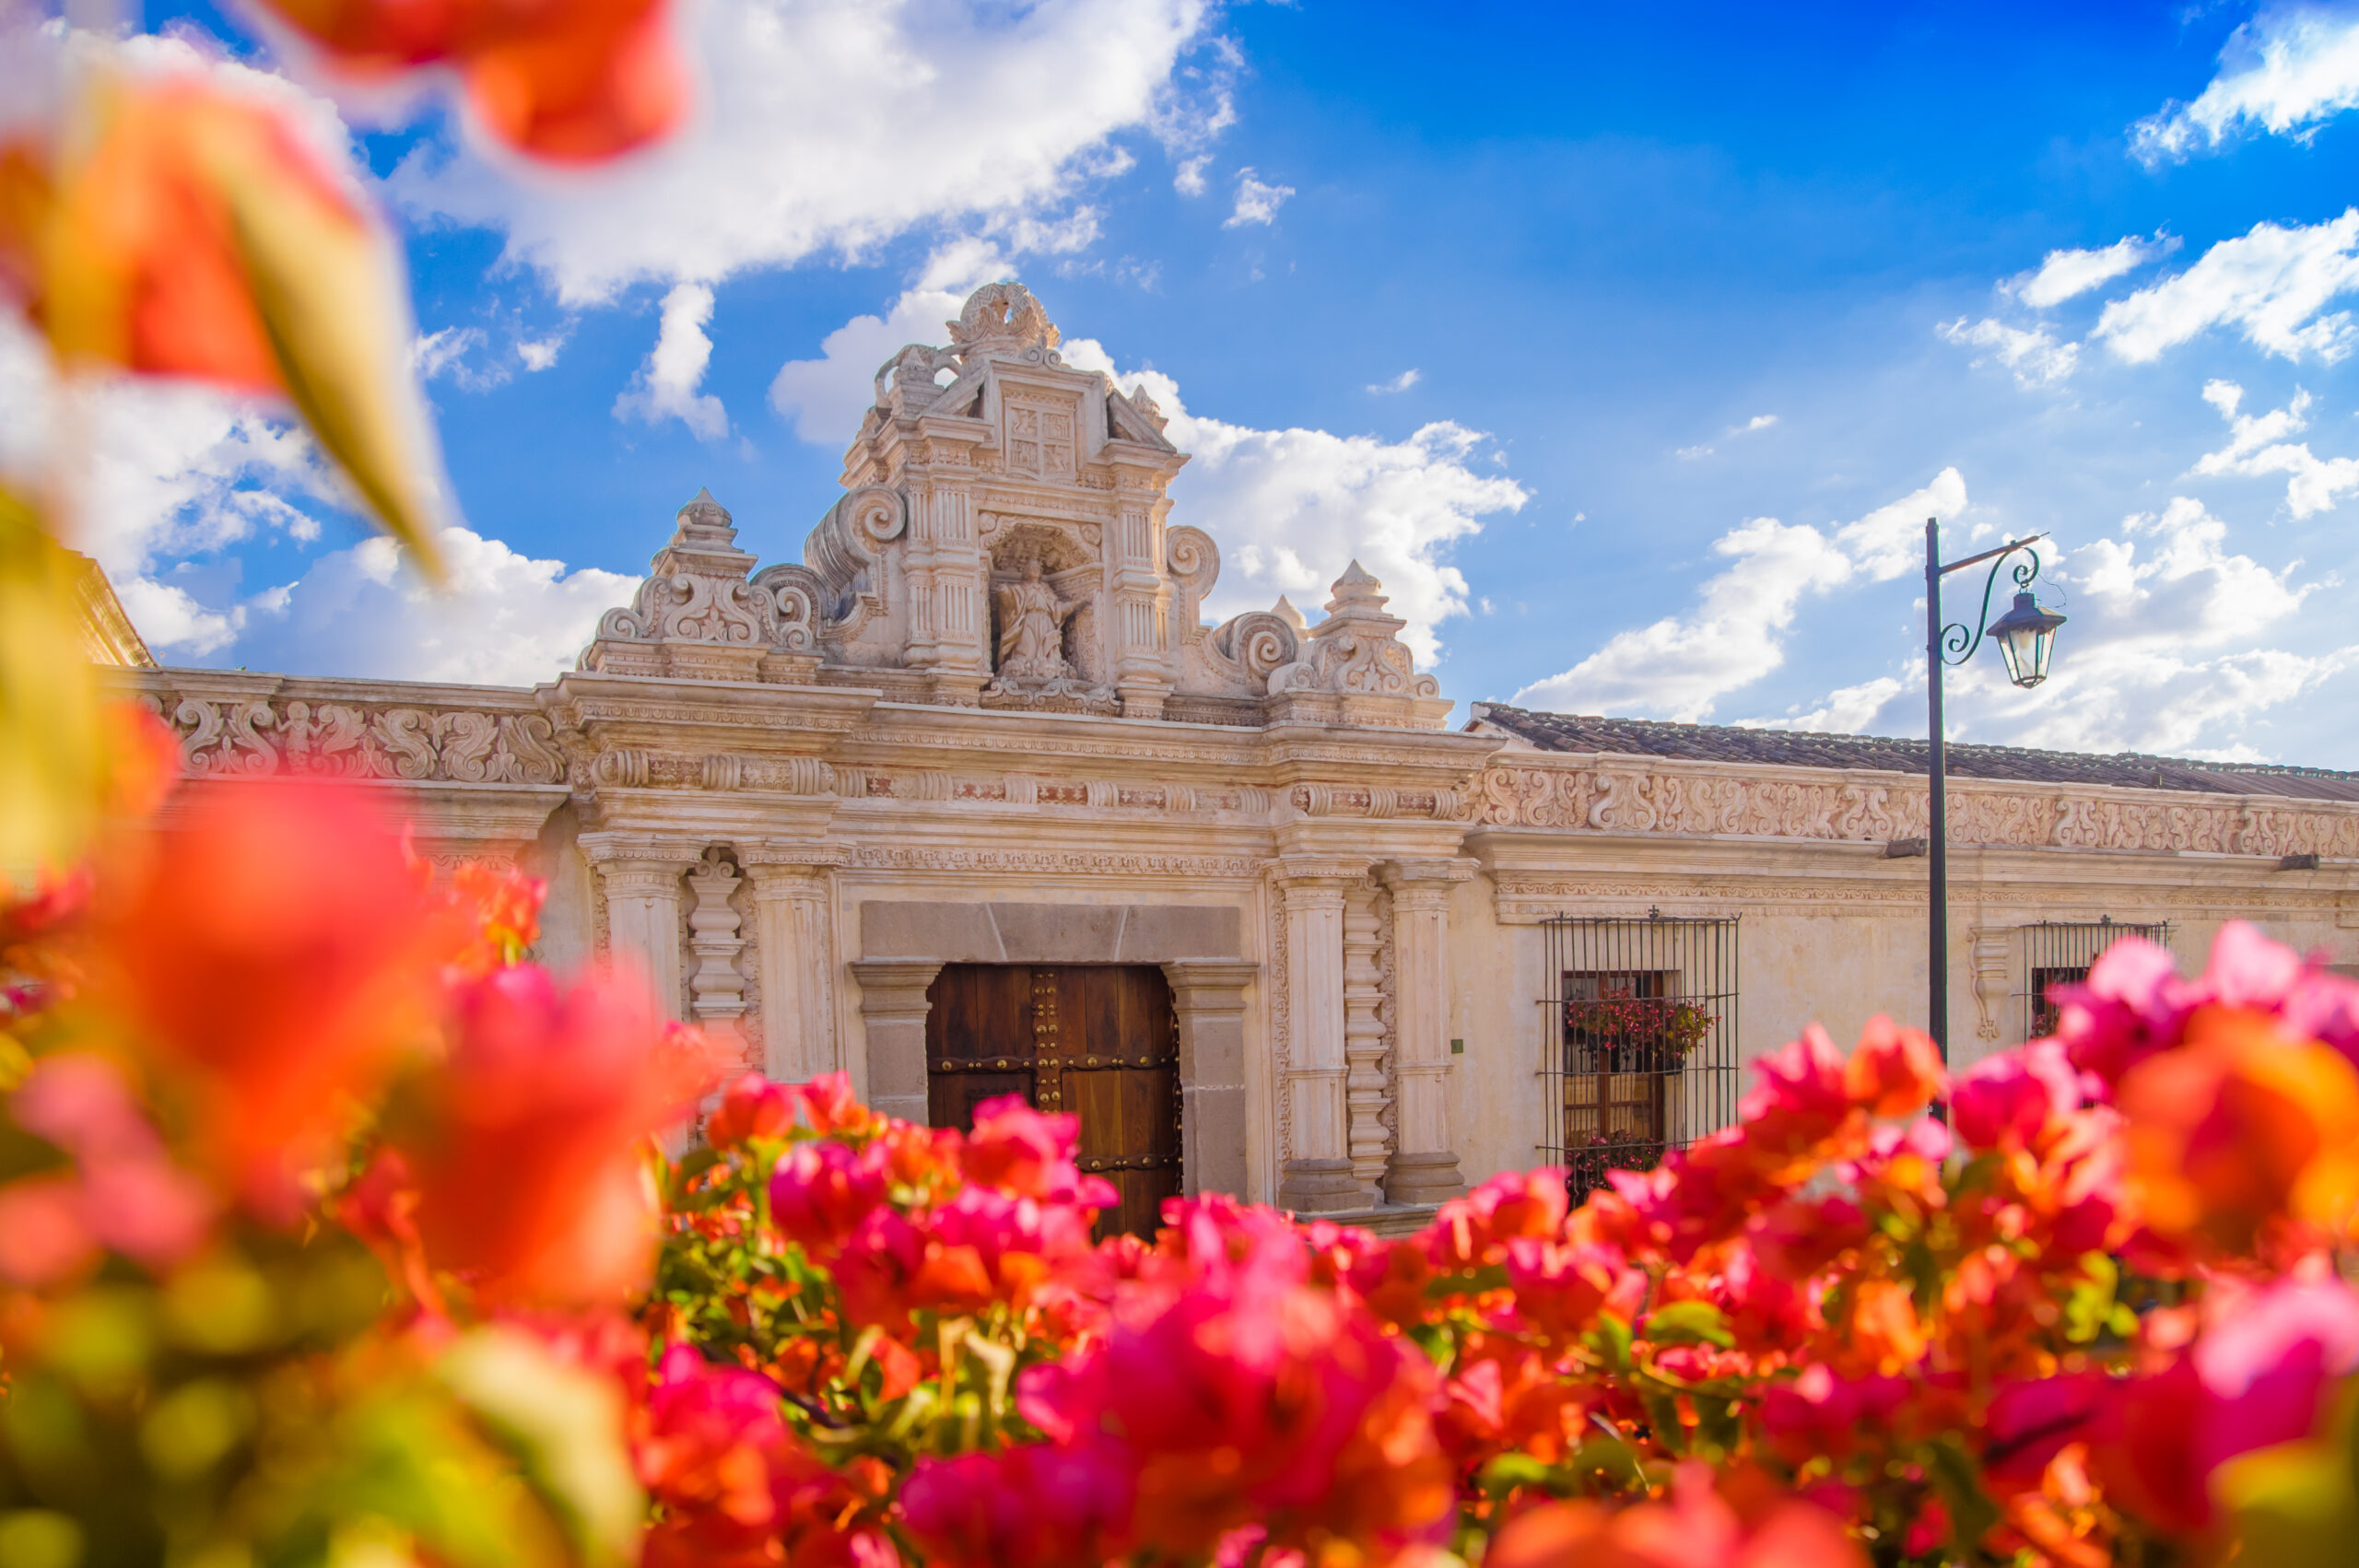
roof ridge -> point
(1573, 732)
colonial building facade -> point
(972, 799)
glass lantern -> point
(2026, 637)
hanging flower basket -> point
(1640, 1034)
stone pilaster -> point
(644, 891)
(1367, 1091)
(791, 912)
(893, 1008)
(1209, 996)
(1318, 1176)
(1424, 1167)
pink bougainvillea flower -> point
(2011, 1100)
(1894, 1071)
(1041, 1505)
(2130, 1007)
(2241, 1128)
(1697, 1528)
(750, 1108)
(822, 1191)
(526, 1150)
(2258, 1375)
(572, 81)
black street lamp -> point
(2027, 639)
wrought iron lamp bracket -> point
(1959, 643)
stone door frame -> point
(1198, 947)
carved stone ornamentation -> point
(698, 616)
(1355, 669)
(716, 985)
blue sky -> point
(1629, 347)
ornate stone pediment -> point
(699, 615)
(1004, 541)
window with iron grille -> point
(2060, 953)
(1639, 1040)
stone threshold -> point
(1385, 1218)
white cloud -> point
(824, 398)
(1850, 710)
(666, 387)
(2159, 653)
(2257, 445)
(447, 353)
(828, 125)
(1399, 383)
(1188, 179)
(504, 620)
(1682, 665)
(1690, 454)
(540, 353)
(2064, 274)
(2273, 283)
(1257, 202)
(2285, 73)
(2032, 353)
(171, 620)
(1290, 509)
(1758, 422)
(159, 468)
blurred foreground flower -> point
(181, 230)
(571, 81)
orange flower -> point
(575, 81)
(1696, 1529)
(526, 1153)
(2240, 1128)
(192, 233)
(273, 956)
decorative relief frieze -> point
(1632, 797)
(413, 745)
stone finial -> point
(1148, 408)
(1355, 655)
(699, 615)
(1283, 610)
(1004, 318)
(1356, 591)
(704, 523)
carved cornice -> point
(956, 858)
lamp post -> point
(2026, 638)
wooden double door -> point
(1100, 1041)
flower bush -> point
(331, 1231)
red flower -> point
(274, 956)
(527, 1153)
(575, 81)
(751, 1107)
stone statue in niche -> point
(1032, 617)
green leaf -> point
(1507, 1471)
(1959, 1479)
(1610, 1339)
(1689, 1323)
(566, 1424)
